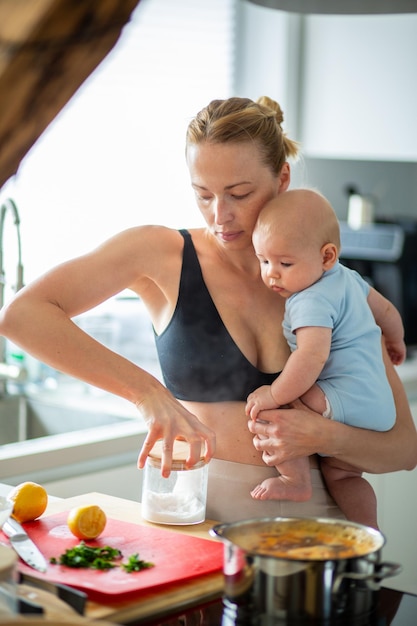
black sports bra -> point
(198, 358)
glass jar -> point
(179, 499)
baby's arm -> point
(299, 374)
(390, 322)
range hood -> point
(341, 7)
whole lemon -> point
(29, 501)
(87, 522)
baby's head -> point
(300, 215)
(296, 238)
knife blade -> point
(23, 545)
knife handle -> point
(25, 607)
(75, 598)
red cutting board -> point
(176, 557)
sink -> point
(23, 418)
(71, 441)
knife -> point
(23, 545)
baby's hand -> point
(397, 351)
(250, 409)
(259, 400)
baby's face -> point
(287, 267)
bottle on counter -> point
(361, 209)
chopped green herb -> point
(135, 564)
(100, 558)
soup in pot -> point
(307, 539)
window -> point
(114, 157)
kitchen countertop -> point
(191, 599)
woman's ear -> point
(284, 178)
(329, 255)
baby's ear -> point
(329, 255)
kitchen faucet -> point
(9, 372)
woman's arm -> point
(300, 432)
(39, 320)
(389, 320)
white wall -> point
(360, 94)
(267, 58)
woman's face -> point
(231, 185)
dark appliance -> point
(394, 608)
(386, 256)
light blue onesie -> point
(353, 378)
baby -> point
(332, 322)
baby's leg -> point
(315, 399)
(293, 483)
(294, 480)
(352, 493)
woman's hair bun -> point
(268, 103)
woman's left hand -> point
(298, 431)
(285, 434)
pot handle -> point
(385, 570)
(218, 530)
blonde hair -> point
(240, 120)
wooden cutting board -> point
(176, 557)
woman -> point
(237, 156)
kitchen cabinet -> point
(358, 94)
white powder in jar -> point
(173, 508)
(179, 498)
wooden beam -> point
(47, 50)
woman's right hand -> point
(168, 420)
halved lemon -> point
(87, 522)
(29, 501)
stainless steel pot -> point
(297, 587)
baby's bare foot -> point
(281, 489)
